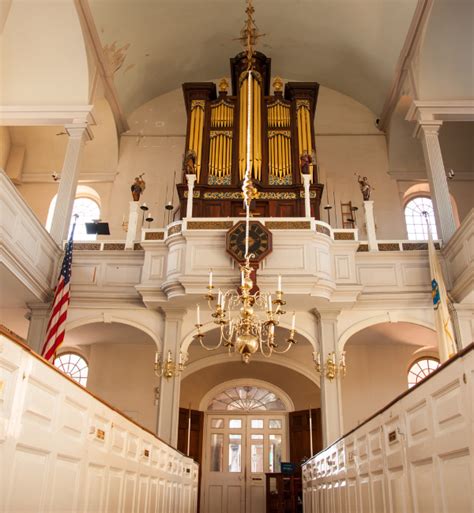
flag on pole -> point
(443, 324)
(57, 320)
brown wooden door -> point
(299, 435)
(195, 439)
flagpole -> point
(310, 432)
(447, 345)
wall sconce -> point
(332, 369)
(169, 368)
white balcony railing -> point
(26, 249)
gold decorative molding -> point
(389, 246)
(323, 229)
(86, 246)
(174, 229)
(114, 246)
(154, 236)
(288, 225)
(209, 225)
(344, 236)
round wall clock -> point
(260, 241)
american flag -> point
(57, 321)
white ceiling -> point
(348, 45)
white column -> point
(331, 398)
(68, 184)
(39, 317)
(168, 408)
(463, 320)
(134, 218)
(370, 225)
(189, 206)
(428, 133)
(307, 203)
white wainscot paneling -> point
(343, 267)
(416, 275)
(122, 274)
(64, 450)
(287, 257)
(157, 267)
(208, 256)
(84, 274)
(414, 457)
(174, 260)
(377, 275)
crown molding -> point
(46, 115)
(84, 177)
(433, 111)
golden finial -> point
(223, 85)
(277, 84)
(249, 34)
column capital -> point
(425, 127)
(173, 314)
(79, 130)
(191, 178)
(326, 313)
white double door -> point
(238, 451)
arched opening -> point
(86, 207)
(251, 417)
(120, 358)
(377, 358)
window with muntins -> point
(416, 219)
(87, 210)
(420, 369)
(246, 398)
(74, 366)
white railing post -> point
(133, 224)
(370, 225)
(189, 206)
(307, 202)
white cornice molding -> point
(84, 177)
(407, 54)
(46, 115)
(90, 32)
(432, 111)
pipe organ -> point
(282, 143)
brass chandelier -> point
(247, 320)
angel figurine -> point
(138, 186)
(365, 187)
(189, 163)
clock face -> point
(260, 241)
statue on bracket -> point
(365, 187)
(189, 163)
(306, 161)
(138, 186)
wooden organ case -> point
(282, 132)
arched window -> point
(420, 369)
(415, 218)
(86, 206)
(246, 398)
(74, 366)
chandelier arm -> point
(288, 347)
